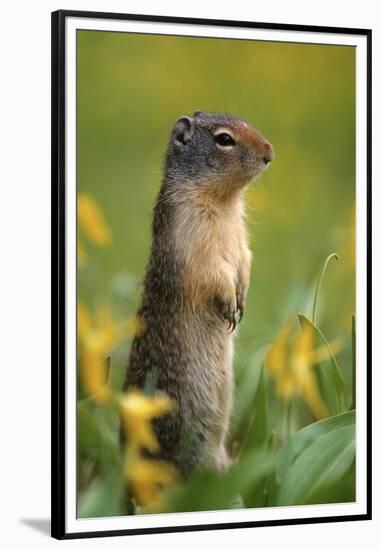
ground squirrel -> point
(196, 283)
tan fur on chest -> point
(211, 237)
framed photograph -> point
(211, 188)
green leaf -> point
(260, 436)
(329, 377)
(104, 497)
(302, 439)
(261, 492)
(207, 491)
(259, 429)
(316, 457)
(97, 439)
(339, 491)
(353, 405)
(247, 390)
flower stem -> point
(334, 255)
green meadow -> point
(293, 423)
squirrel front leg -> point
(242, 283)
(232, 290)
(225, 299)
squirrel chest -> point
(211, 239)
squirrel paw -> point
(228, 310)
(241, 295)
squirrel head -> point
(216, 152)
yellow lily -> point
(147, 478)
(137, 411)
(96, 337)
(91, 219)
(290, 362)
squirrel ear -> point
(183, 130)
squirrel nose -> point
(268, 153)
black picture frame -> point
(58, 248)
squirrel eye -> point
(225, 140)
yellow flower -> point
(290, 362)
(91, 219)
(96, 337)
(147, 478)
(94, 376)
(98, 334)
(304, 358)
(137, 412)
(278, 363)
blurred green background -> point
(131, 89)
